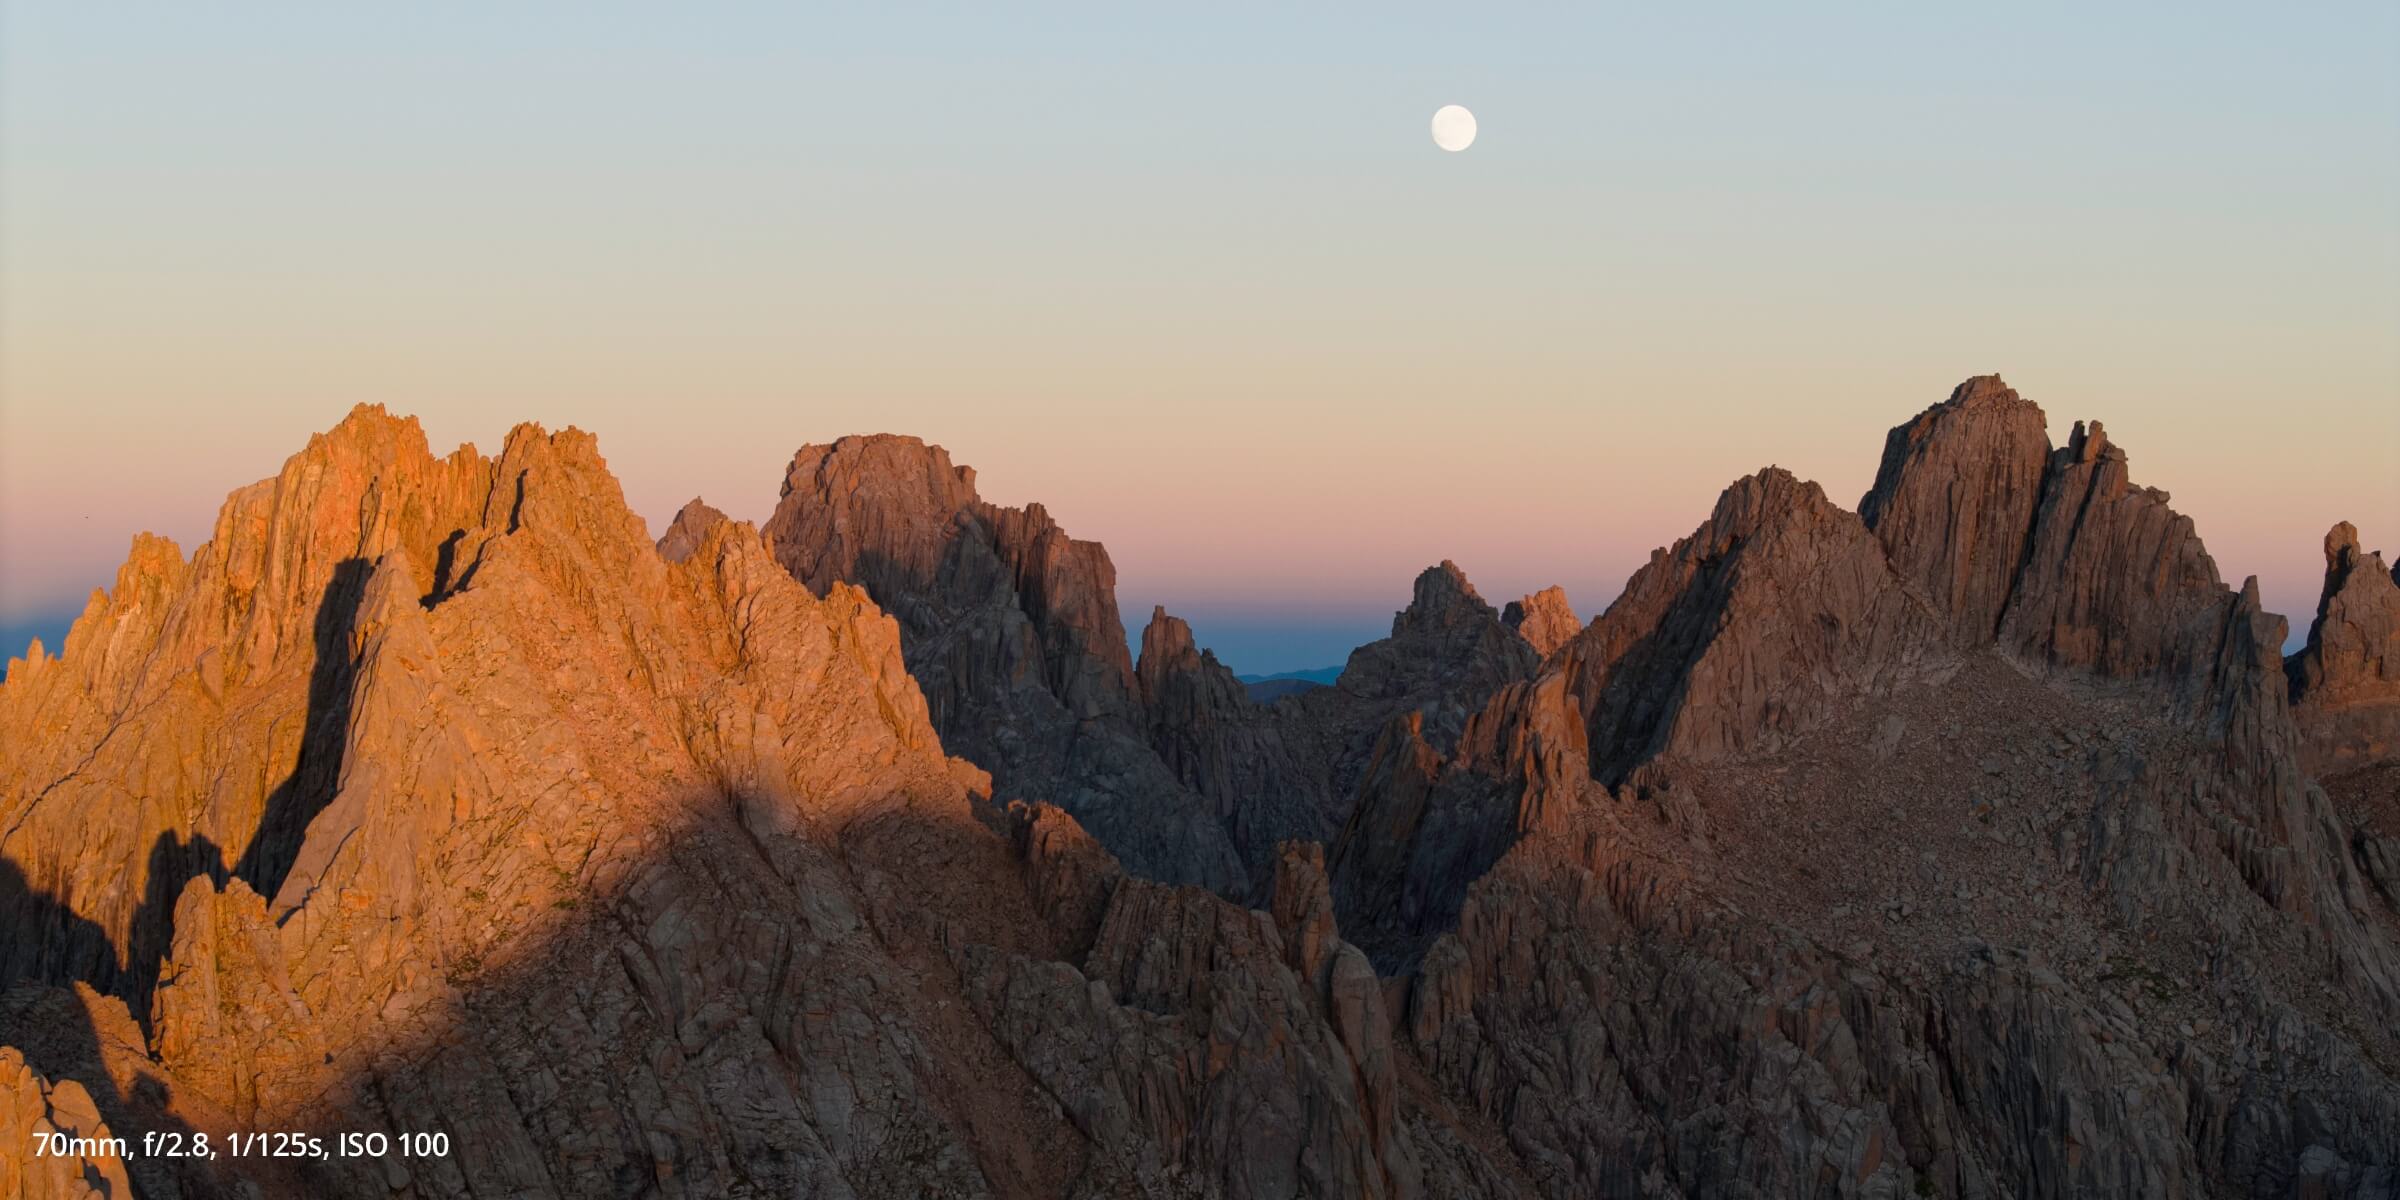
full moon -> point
(1453, 128)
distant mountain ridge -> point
(1268, 691)
(1976, 842)
(1318, 675)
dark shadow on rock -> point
(1628, 716)
(173, 863)
(781, 922)
(48, 1016)
(47, 942)
(293, 804)
(445, 561)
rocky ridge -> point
(631, 876)
(2345, 683)
(1545, 619)
(1729, 849)
(1831, 859)
(1011, 627)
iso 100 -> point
(404, 1145)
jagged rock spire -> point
(2345, 683)
(1954, 500)
(1544, 619)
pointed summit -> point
(1010, 626)
(684, 534)
(2113, 580)
(1441, 599)
(1779, 592)
(1544, 619)
(2345, 683)
(1954, 499)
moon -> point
(1453, 128)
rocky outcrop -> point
(689, 528)
(1954, 500)
(1544, 619)
(1848, 965)
(2115, 582)
(1010, 628)
(1447, 654)
(1760, 694)
(433, 795)
(892, 515)
(53, 1144)
(652, 876)
(1295, 770)
(2345, 683)
(1748, 631)
(1796, 1069)
(89, 1048)
(194, 723)
(1198, 1040)
(1427, 826)
(606, 843)
(1226, 747)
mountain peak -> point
(1544, 619)
(899, 463)
(1442, 589)
(1954, 499)
(1983, 391)
(691, 524)
(2345, 683)
(2341, 545)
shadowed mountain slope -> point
(1010, 626)
(1975, 844)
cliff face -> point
(1545, 619)
(1739, 636)
(688, 530)
(1010, 625)
(634, 875)
(1949, 827)
(1975, 844)
(194, 723)
(2346, 681)
(2115, 582)
(1954, 500)
(479, 701)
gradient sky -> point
(1196, 277)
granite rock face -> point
(528, 729)
(1964, 849)
(36, 1116)
(1954, 499)
(651, 877)
(1428, 825)
(433, 795)
(1742, 634)
(194, 724)
(1448, 643)
(1447, 655)
(689, 528)
(1010, 628)
(1544, 619)
(2115, 582)
(2346, 681)
(1236, 755)
(1246, 1052)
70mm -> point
(59, 1145)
